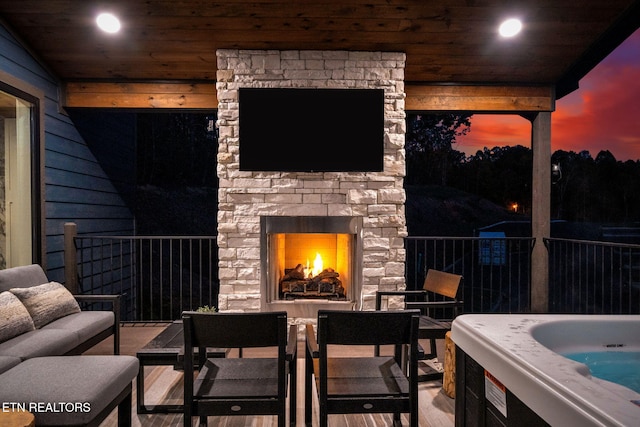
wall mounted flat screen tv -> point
(311, 130)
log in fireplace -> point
(310, 262)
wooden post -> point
(70, 257)
(540, 210)
(449, 375)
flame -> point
(317, 266)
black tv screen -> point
(311, 130)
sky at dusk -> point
(603, 114)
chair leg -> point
(293, 393)
(396, 419)
(434, 349)
(203, 421)
(413, 419)
(308, 389)
(324, 418)
(124, 411)
(187, 421)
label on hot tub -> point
(495, 392)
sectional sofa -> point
(43, 332)
(42, 318)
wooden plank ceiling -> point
(449, 42)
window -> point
(16, 178)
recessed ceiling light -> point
(108, 23)
(510, 27)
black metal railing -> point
(160, 276)
(591, 277)
(496, 271)
(157, 276)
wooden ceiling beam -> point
(202, 96)
(479, 99)
(141, 95)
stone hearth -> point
(244, 197)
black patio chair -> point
(370, 384)
(438, 303)
(242, 385)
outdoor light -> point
(211, 129)
(108, 23)
(510, 27)
(556, 173)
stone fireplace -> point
(272, 223)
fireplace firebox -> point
(310, 262)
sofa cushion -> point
(92, 381)
(14, 317)
(47, 302)
(8, 362)
(40, 342)
(22, 277)
(86, 324)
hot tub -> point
(526, 377)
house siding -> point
(88, 176)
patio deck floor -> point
(165, 384)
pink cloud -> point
(495, 131)
(604, 114)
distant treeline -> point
(584, 189)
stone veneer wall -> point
(245, 196)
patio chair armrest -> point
(114, 300)
(457, 306)
(380, 294)
(292, 343)
(98, 298)
(421, 305)
(312, 344)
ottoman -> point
(71, 390)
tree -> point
(596, 190)
(429, 146)
(589, 190)
(628, 182)
(500, 174)
(606, 168)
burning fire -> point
(317, 266)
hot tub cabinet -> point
(510, 370)
(482, 400)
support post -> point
(70, 257)
(540, 210)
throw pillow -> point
(47, 302)
(14, 317)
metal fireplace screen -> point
(312, 265)
(311, 257)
